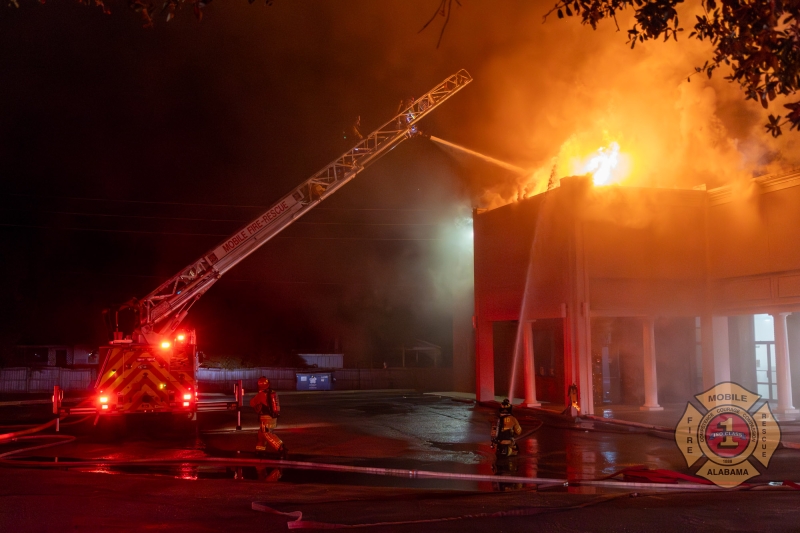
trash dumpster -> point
(314, 381)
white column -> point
(716, 350)
(650, 377)
(530, 368)
(585, 368)
(782, 365)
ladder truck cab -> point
(150, 364)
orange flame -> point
(602, 165)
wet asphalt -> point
(387, 430)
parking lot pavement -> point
(377, 430)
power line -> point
(247, 280)
(184, 219)
(238, 206)
(116, 215)
(220, 235)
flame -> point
(602, 165)
(607, 165)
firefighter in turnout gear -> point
(268, 408)
(504, 431)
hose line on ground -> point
(637, 472)
(14, 434)
(61, 439)
(299, 523)
(5, 437)
(391, 472)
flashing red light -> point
(103, 399)
(104, 406)
(165, 344)
(181, 337)
(187, 396)
(186, 404)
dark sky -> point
(125, 153)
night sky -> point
(126, 153)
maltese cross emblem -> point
(728, 434)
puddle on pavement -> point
(192, 472)
(548, 453)
(455, 446)
(375, 409)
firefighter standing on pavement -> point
(504, 431)
(268, 408)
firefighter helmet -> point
(263, 383)
(505, 407)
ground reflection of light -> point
(101, 469)
(187, 471)
(609, 456)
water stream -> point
(523, 313)
(488, 159)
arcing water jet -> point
(488, 159)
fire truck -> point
(150, 364)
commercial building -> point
(640, 295)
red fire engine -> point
(150, 365)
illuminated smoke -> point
(563, 90)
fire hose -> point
(299, 523)
(391, 472)
(16, 434)
(636, 477)
(28, 434)
(302, 465)
(661, 432)
(61, 439)
(659, 476)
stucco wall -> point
(753, 253)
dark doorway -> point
(548, 358)
(505, 336)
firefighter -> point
(505, 468)
(504, 431)
(355, 129)
(573, 408)
(404, 118)
(268, 407)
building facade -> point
(639, 295)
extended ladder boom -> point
(168, 305)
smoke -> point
(244, 106)
(558, 91)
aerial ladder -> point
(150, 364)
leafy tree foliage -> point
(758, 41)
(148, 10)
